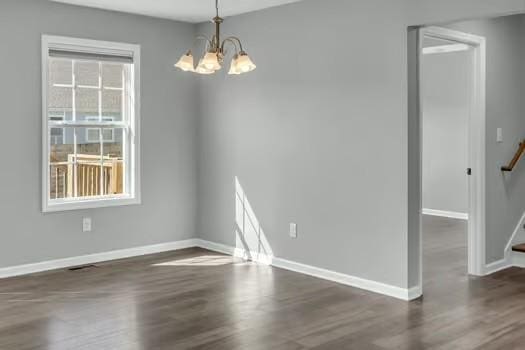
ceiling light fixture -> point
(215, 53)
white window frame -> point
(132, 160)
(61, 117)
(106, 119)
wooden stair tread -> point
(519, 248)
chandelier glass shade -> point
(215, 52)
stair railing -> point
(516, 158)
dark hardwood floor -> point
(196, 299)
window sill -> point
(91, 203)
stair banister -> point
(516, 158)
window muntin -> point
(91, 125)
(93, 134)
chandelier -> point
(215, 51)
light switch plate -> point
(86, 224)
(293, 230)
(499, 135)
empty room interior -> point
(270, 174)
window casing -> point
(90, 123)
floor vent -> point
(84, 267)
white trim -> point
(357, 282)
(510, 258)
(517, 229)
(132, 153)
(66, 43)
(498, 266)
(91, 203)
(237, 252)
(415, 293)
(216, 247)
(444, 213)
(361, 283)
(445, 49)
(518, 259)
(477, 208)
(95, 258)
(98, 129)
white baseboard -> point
(215, 247)
(517, 229)
(498, 266)
(369, 285)
(94, 258)
(414, 293)
(237, 252)
(518, 259)
(511, 258)
(444, 213)
(373, 286)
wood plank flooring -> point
(196, 299)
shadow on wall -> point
(250, 241)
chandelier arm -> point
(232, 39)
(202, 37)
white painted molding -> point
(215, 247)
(361, 283)
(94, 258)
(415, 293)
(444, 213)
(357, 282)
(518, 259)
(445, 49)
(477, 142)
(132, 159)
(517, 229)
(510, 258)
(237, 252)
(499, 265)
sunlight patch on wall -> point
(251, 242)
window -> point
(90, 123)
(93, 134)
(56, 134)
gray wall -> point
(446, 84)
(317, 135)
(168, 136)
(505, 193)
(314, 136)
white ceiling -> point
(182, 10)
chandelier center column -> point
(218, 21)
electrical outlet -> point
(293, 230)
(86, 224)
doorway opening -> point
(451, 141)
